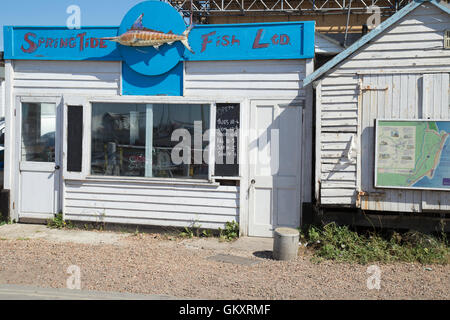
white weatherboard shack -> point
(400, 70)
(117, 177)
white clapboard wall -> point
(403, 74)
(257, 79)
(206, 206)
(66, 77)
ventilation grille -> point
(447, 39)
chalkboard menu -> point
(227, 139)
(74, 138)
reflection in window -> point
(38, 132)
(136, 139)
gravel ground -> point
(155, 264)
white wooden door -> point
(38, 150)
(274, 166)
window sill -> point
(143, 180)
(234, 178)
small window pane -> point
(38, 132)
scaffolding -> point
(283, 7)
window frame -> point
(87, 103)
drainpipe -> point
(348, 21)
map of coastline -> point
(413, 154)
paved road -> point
(13, 292)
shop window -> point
(150, 140)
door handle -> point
(57, 167)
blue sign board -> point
(258, 41)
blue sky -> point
(53, 12)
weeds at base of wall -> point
(339, 243)
(59, 223)
(230, 233)
(4, 222)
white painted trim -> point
(307, 144)
(9, 169)
(40, 99)
(86, 160)
(148, 180)
(359, 135)
(39, 216)
(15, 188)
(227, 178)
(243, 167)
(212, 142)
(318, 162)
(148, 140)
(151, 99)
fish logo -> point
(139, 36)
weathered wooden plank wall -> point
(401, 74)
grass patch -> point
(339, 243)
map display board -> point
(412, 154)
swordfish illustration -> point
(139, 36)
